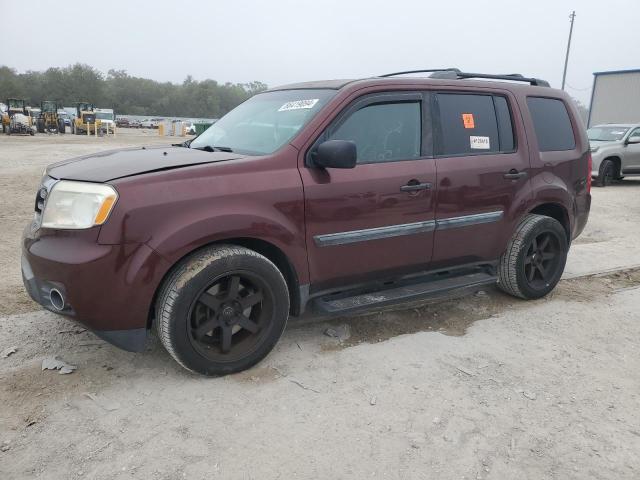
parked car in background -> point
(190, 128)
(107, 118)
(148, 123)
(134, 123)
(330, 196)
(65, 117)
(122, 122)
(615, 149)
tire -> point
(73, 128)
(195, 316)
(527, 252)
(61, 127)
(40, 126)
(607, 173)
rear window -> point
(552, 124)
(474, 124)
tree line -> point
(124, 93)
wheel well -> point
(280, 260)
(557, 212)
(617, 161)
(273, 253)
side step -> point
(419, 289)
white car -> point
(106, 117)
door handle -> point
(514, 174)
(414, 186)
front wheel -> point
(222, 310)
(607, 173)
(534, 260)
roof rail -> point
(456, 73)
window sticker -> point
(479, 143)
(467, 119)
(299, 105)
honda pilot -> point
(329, 196)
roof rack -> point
(456, 73)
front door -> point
(631, 155)
(376, 219)
(482, 177)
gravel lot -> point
(482, 387)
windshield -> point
(104, 116)
(265, 122)
(607, 134)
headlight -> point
(77, 205)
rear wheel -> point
(534, 260)
(61, 126)
(222, 310)
(607, 173)
(40, 126)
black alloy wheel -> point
(230, 317)
(542, 260)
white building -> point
(615, 97)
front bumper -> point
(107, 288)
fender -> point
(178, 211)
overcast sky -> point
(283, 41)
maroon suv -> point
(332, 196)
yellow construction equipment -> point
(85, 121)
(17, 119)
(49, 121)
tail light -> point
(589, 167)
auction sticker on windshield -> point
(299, 104)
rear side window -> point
(552, 124)
(474, 124)
(384, 132)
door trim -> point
(354, 236)
(466, 220)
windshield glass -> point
(104, 116)
(265, 122)
(607, 134)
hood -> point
(597, 144)
(109, 165)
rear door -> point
(376, 219)
(483, 169)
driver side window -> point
(384, 132)
(635, 133)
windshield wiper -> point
(184, 144)
(216, 148)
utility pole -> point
(566, 58)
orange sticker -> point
(467, 119)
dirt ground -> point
(481, 387)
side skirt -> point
(435, 284)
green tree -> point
(124, 93)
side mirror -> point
(336, 154)
(633, 140)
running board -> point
(430, 287)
